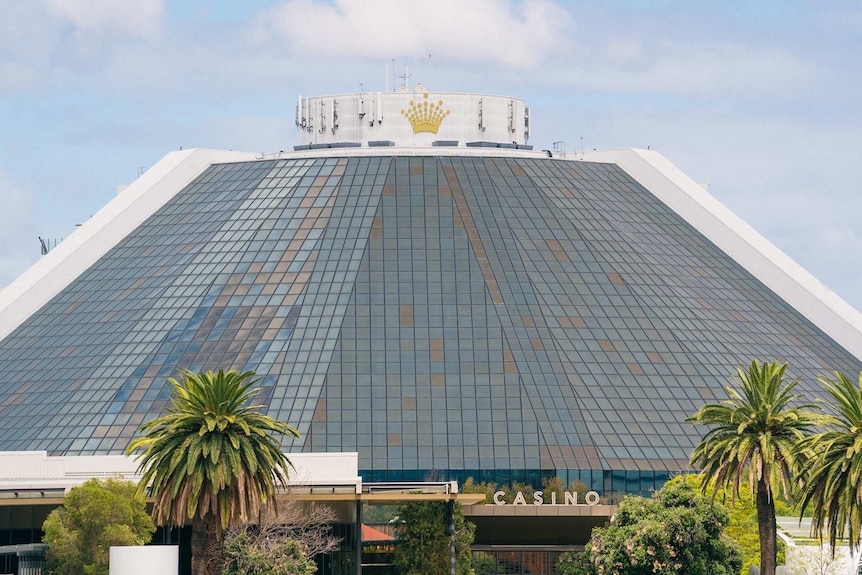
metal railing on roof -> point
(446, 487)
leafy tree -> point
(488, 489)
(213, 459)
(832, 482)
(676, 532)
(574, 563)
(422, 535)
(484, 563)
(93, 517)
(742, 526)
(378, 514)
(755, 433)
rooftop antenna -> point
(560, 148)
(387, 74)
(406, 78)
(429, 70)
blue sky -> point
(761, 99)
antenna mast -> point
(405, 85)
(393, 75)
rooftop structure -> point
(412, 119)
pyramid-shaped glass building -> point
(416, 284)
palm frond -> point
(832, 483)
(754, 431)
(213, 453)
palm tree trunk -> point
(199, 546)
(767, 528)
(207, 547)
(215, 547)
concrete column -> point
(144, 560)
(357, 554)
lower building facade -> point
(518, 538)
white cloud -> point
(25, 44)
(723, 69)
(41, 40)
(499, 31)
(90, 31)
(679, 67)
(140, 18)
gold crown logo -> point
(425, 116)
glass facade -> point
(445, 317)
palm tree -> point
(213, 459)
(832, 483)
(755, 431)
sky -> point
(759, 100)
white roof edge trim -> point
(808, 295)
(402, 151)
(37, 469)
(93, 239)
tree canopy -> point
(678, 531)
(423, 541)
(93, 517)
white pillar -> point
(145, 560)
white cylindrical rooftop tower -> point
(412, 119)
